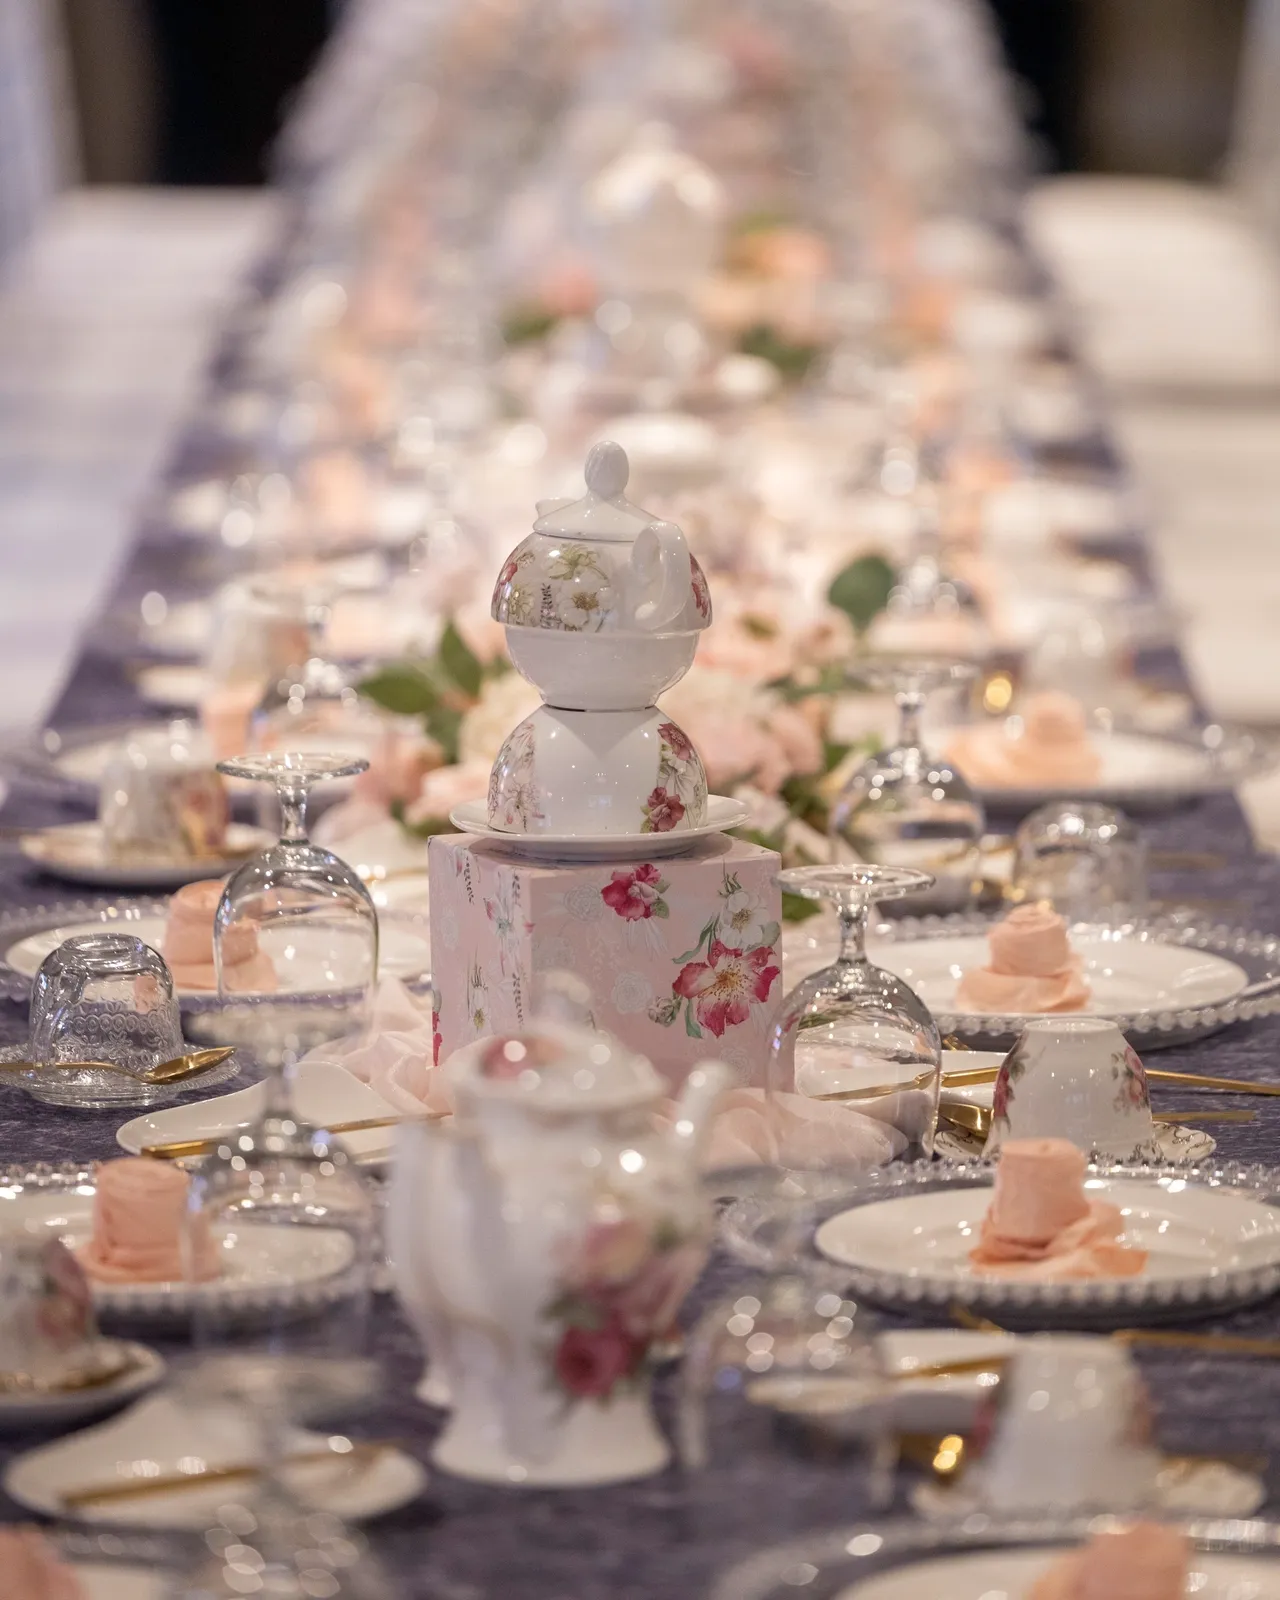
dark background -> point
(194, 91)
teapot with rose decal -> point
(544, 1241)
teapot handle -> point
(697, 1103)
(660, 577)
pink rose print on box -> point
(637, 895)
(729, 972)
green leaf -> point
(862, 590)
(796, 908)
(661, 909)
(690, 1025)
(791, 360)
(404, 688)
(443, 724)
(459, 661)
(833, 753)
(524, 324)
(762, 220)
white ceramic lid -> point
(603, 512)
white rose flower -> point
(503, 703)
(742, 921)
(632, 993)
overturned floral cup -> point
(602, 605)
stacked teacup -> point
(602, 605)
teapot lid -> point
(560, 1063)
(604, 510)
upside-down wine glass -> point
(906, 808)
(282, 1243)
(854, 1066)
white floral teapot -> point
(543, 1241)
(602, 602)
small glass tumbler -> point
(1088, 861)
(102, 997)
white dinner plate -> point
(76, 852)
(907, 1245)
(158, 1433)
(398, 516)
(60, 1410)
(1127, 976)
(722, 813)
(1011, 1574)
(1139, 771)
(404, 949)
(83, 759)
(271, 1266)
(181, 684)
(103, 1580)
(324, 1093)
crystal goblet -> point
(854, 1067)
(904, 808)
(298, 905)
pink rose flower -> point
(797, 737)
(590, 1363)
(662, 811)
(446, 788)
(632, 894)
(723, 987)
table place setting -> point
(649, 826)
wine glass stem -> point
(910, 705)
(293, 814)
(853, 932)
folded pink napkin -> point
(793, 1131)
(395, 1055)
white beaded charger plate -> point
(77, 852)
(273, 1267)
(722, 814)
(1212, 1235)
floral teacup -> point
(595, 772)
(1074, 1078)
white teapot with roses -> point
(544, 1241)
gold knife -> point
(180, 1149)
(365, 1452)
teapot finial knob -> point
(607, 470)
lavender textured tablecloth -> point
(663, 1539)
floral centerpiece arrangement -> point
(758, 705)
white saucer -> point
(1209, 1247)
(324, 1093)
(722, 814)
(146, 1369)
(404, 949)
(158, 1433)
(76, 852)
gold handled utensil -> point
(180, 1149)
(172, 1071)
(964, 1077)
(362, 1454)
(977, 1119)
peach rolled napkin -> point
(1144, 1562)
(793, 1131)
(1031, 967)
(29, 1569)
(140, 1227)
(1052, 747)
(396, 1054)
(188, 944)
(1040, 1225)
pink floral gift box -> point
(683, 955)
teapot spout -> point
(696, 1107)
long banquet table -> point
(663, 1538)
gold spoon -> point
(1226, 1344)
(173, 1071)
